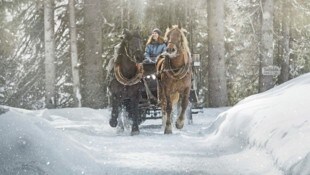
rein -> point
(133, 59)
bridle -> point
(174, 47)
(131, 57)
(175, 73)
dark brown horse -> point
(174, 76)
(126, 85)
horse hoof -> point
(113, 122)
(120, 130)
(133, 133)
(168, 131)
(179, 125)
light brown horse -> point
(174, 76)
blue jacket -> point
(154, 49)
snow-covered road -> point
(152, 152)
(264, 134)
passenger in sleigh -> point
(154, 46)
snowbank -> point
(276, 122)
(30, 145)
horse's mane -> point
(120, 48)
(136, 33)
(127, 35)
(182, 31)
(117, 49)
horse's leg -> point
(185, 97)
(159, 92)
(121, 119)
(168, 128)
(133, 109)
(175, 105)
(164, 118)
(115, 111)
(163, 103)
(134, 114)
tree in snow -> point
(284, 54)
(216, 62)
(92, 72)
(266, 45)
(49, 54)
(74, 55)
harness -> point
(125, 81)
(133, 59)
(121, 78)
(164, 66)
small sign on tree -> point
(271, 70)
(196, 59)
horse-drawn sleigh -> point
(141, 91)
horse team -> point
(173, 72)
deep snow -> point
(267, 133)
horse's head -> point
(133, 45)
(176, 40)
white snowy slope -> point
(29, 145)
(265, 134)
(276, 123)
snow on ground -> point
(267, 133)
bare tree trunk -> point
(122, 14)
(284, 76)
(92, 72)
(216, 64)
(266, 47)
(128, 14)
(74, 56)
(50, 73)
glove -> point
(148, 60)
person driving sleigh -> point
(154, 46)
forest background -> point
(53, 53)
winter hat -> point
(157, 31)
